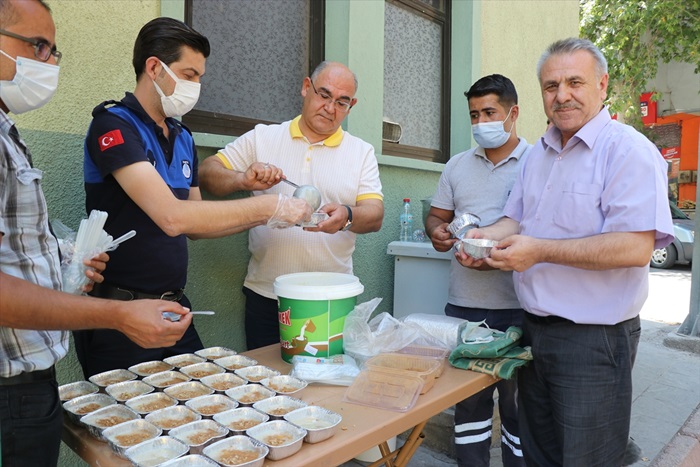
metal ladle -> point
(308, 193)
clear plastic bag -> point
(364, 337)
(338, 370)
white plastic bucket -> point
(312, 311)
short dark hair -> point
(495, 84)
(163, 38)
(8, 15)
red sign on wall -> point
(671, 153)
(648, 108)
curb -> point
(684, 448)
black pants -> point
(101, 350)
(261, 323)
(31, 420)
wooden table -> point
(361, 429)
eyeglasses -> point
(42, 49)
(342, 106)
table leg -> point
(409, 447)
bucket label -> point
(312, 327)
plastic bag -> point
(364, 338)
(339, 370)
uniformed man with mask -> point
(479, 181)
(140, 167)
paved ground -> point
(666, 380)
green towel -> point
(500, 357)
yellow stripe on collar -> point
(333, 140)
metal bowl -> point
(112, 415)
(200, 434)
(208, 406)
(150, 402)
(281, 437)
(221, 449)
(80, 406)
(70, 391)
(156, 451)
(278, 406)
(240, 419)
(172, 417)
(319, 423)
(104, 379)
(191, 460)
(223, 381)
(460, 224)
(127, 434)
(235, 362)
(128, 390)
(150, 368)
(249, 394)
(284, 384)
(178, 361)
(200, 370)
(215, 353)
(185, 391)
(163, 380)
(256, 373)
(477, 248)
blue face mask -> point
(490, 135)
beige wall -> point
(514, 33)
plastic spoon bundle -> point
(90, 240)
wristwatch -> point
(348, 224)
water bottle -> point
(406, 219)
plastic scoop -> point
(175, 317)
(308, 193)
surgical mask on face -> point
(34, 85)
(490, 135)
(184, 97)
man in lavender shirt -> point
(580, 225)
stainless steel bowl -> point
(172, 417)
(240, 419)
(210, 405)
(281, 437)
(477, 248)
(319, 423)
(219, 450)
(460, 224)
(77, 408)
(200, 434)
(127, 434)
(156, 451)
(112, 415)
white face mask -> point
(184, 97)
(491, 135)
(34, 85)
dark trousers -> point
(262, 326)
(101, 350)
(474, 416)
(576, 395)
(31, 420)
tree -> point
(635, 36)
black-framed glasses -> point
(42, 49)
(343, 106)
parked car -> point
(681, 250)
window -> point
(261, 52)
(416, 77)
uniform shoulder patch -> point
(111, 139)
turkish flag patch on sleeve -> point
(111, 139)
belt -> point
(48, 374)
(551, 319)
(119, 293)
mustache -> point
(556, 107)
